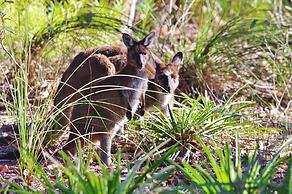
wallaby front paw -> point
(142, 112)
(129, 115)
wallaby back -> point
(109, 102)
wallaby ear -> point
(157, 61)
(151, 70)
(128, 40)
(177, 59)
(148, 39)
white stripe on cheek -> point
(170, 83)
(168, 73)
(143, 59)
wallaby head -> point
(137, 50)
(167, 75)
(161, 89)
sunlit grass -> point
(224, 173)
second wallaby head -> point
(137, 50)
(167, 75)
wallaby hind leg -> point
(62, 110)
(61, 122)
(105, 148)
(71, 145)
(63, 118)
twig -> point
(8, 53)
(132, 12)
(186, 12)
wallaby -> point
(87, 66)
(80, 73)
(160, 91)
(111, 100)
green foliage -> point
(243, 40)
(244, 44)
(77, 177)
(147, 12)
(230, 175)
(49, 26)
(194, 117)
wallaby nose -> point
(142, 61)
(140, 65)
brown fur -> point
(87, 66)
(81, 72)
(107, 51)
(106, 104)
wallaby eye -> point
(172, 76)
(142, 52)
